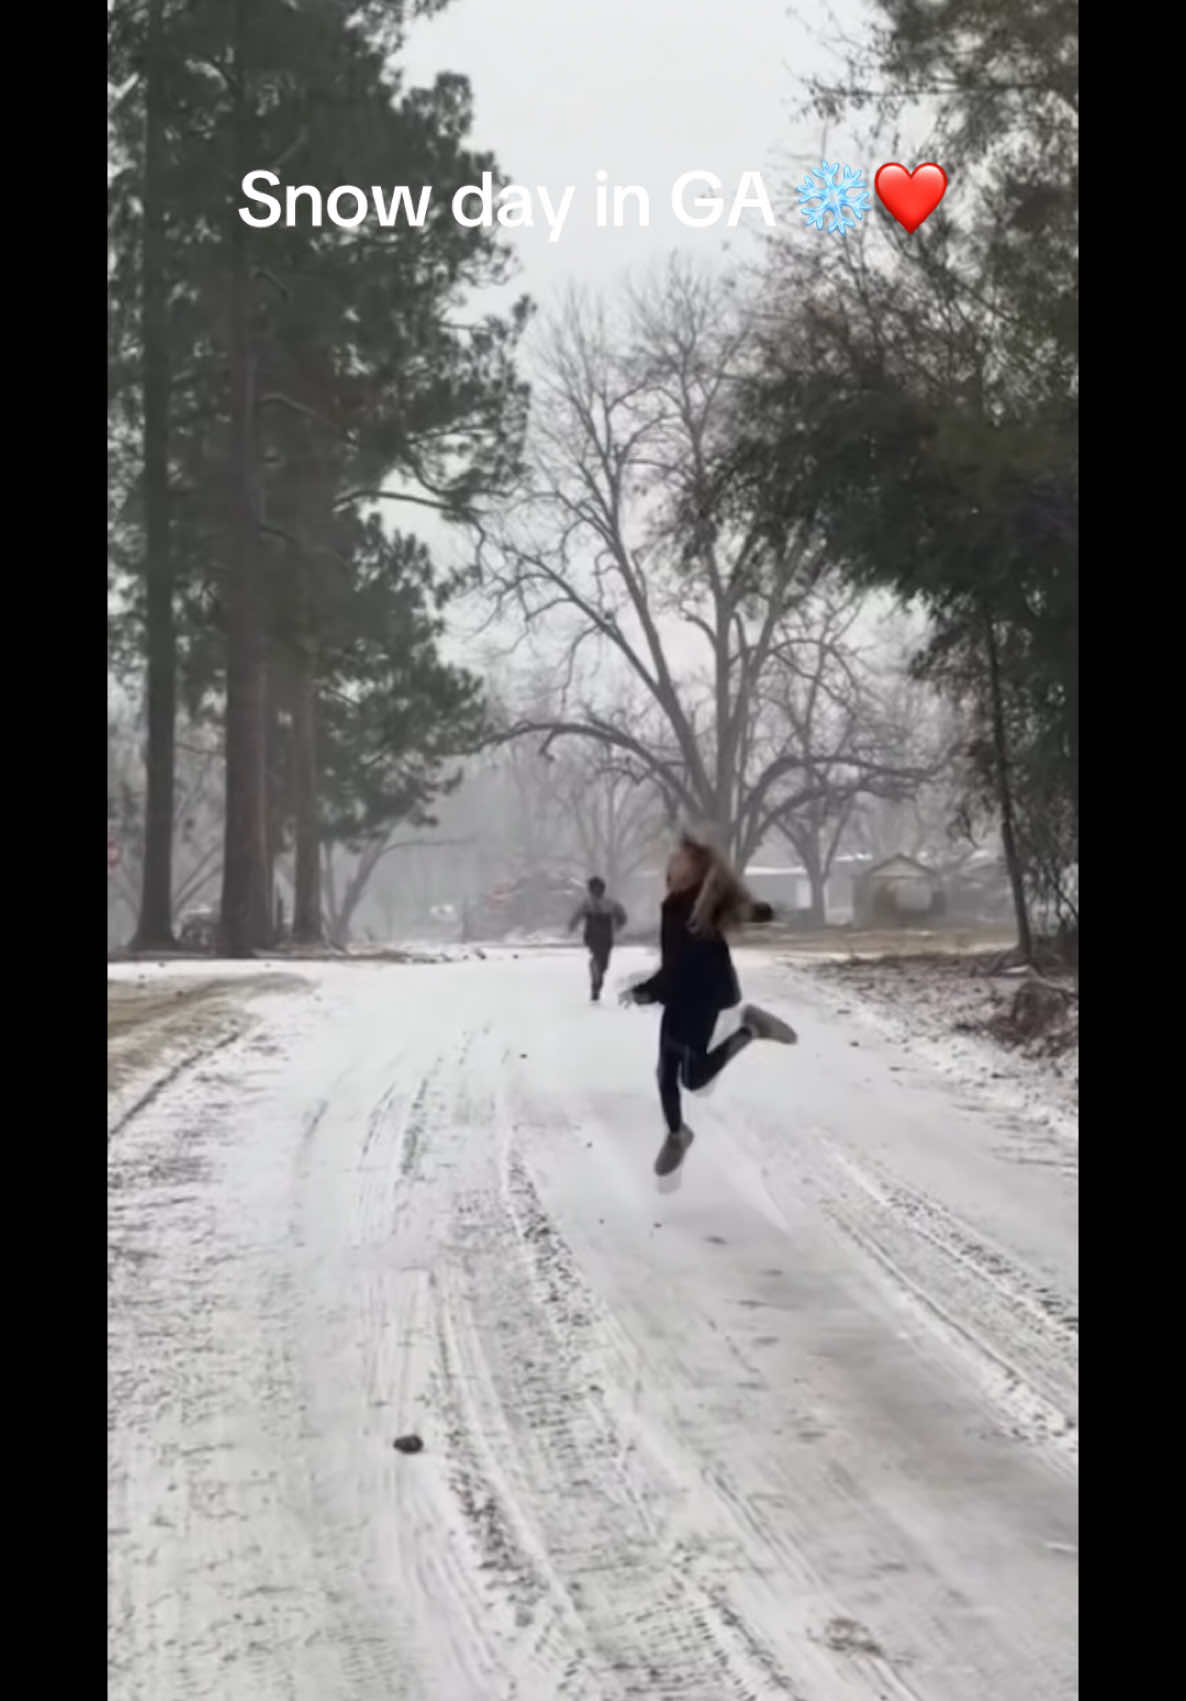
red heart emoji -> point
(911, 196)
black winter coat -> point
(696, 978)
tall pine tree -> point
(347, 351)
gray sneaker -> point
(765, 1026)
(671, 1152)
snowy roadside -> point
(957, 1021)
(165, 1015)
(835, 1367)
(165, 1020)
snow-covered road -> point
(801, 1425)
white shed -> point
(899, 890)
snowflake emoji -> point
(831, 205)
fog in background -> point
(366, 731)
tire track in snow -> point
(624, 1491)
(708, 1644)
(792, 1519)
(437, 1106)
(389, 1154)
(570, 1518)
(238, 1571)
(1017, 1337)
(171, 1075)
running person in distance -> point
(603, 919)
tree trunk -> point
(245, 919)
(155, 928)
(275, 801)
(306, 913)
(355, 887)
(1005, 794)
(817, 884)
(804, 841)
(1073, 710)
(329, 889)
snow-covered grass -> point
(944, 1007)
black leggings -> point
(598, 963)
(685, 1060)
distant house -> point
(782, 886)
(898, 892)
(978, 888)
(900, 889)
(787, 887)
(841, 884)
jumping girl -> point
(696, 981)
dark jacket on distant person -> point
(696, 979)
(603, 917)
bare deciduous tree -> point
(196, 860)
(837, 709)
(639, 541)
(617, 819)
(343, 889)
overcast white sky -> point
(643, 89)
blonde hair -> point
(723, 900)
